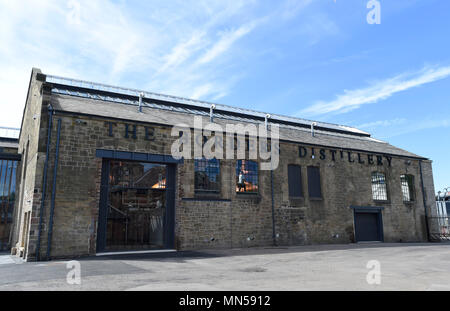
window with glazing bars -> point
(207, 175)
(407, 182)
(379, 189)
(246, 176)
(7, 192)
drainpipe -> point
(44, 182)
(211, 113)
(266, 121)
(424, 201)
(141, 95)
(274, 238)
(314, 124)
(52, 204)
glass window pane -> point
(379, 189)
(136, 206)
(247, 176)
(207, 175)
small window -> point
(207, 175)
(379, 189)
(407, 182)
(246, 176)
(295, 180)
(314, 187)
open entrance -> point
(136, 206)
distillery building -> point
(98, 175)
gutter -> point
(44, 182)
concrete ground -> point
(325, 267)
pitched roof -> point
(114, 110)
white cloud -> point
(419, 125)
(382, 123)
(185, 48)
(380, 90)
(225, 42)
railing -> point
(9, 132)
(439, 228)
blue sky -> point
(316, 59)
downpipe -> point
(274, 238)
(44, 182)
(424, 202)
(52, 204)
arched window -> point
(246, 176)
(407, 182)
(379, 189)
(207, 175)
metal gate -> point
(439, 222)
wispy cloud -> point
(186, 48)
(225, 42)
(416, 126)
(382, 123)
(378, 91)
(386, 129)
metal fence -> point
(439, 222)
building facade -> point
(98, 174)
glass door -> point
(136, 206)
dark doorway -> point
(368, 226)
(136, 206)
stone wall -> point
(225, 220)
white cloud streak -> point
(382, 123)
(381, 90)
(185, 48)
(225, 42)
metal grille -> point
(246, 176)
(207, 174)
(407, 182)
(439, 226)
(379, 189)
(7, 198)
(9, 132)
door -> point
(368, 226)
(135, 206)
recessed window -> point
(246, 176)
(407, 182)
(314, 186)
(379, 189)
(295, 180)
(207, 175)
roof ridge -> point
(196, 103)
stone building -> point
(98, 175)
